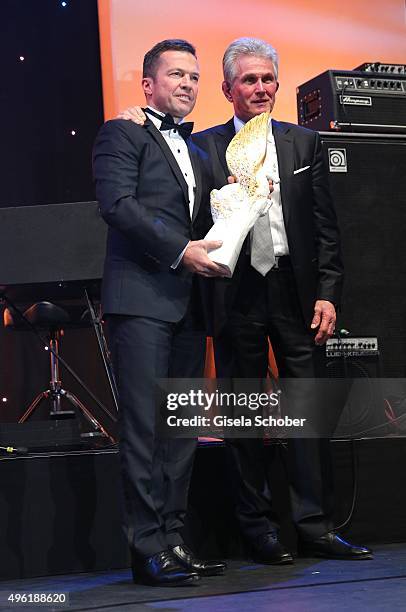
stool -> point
(53, 319)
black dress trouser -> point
(155, 470)
(269, 308)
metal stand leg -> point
(56, 392)
(103, 348)
(42, 396)
(98, 428)
(55, 385)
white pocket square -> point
(300, 169)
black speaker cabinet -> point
(362, 392)
(367, 180)
(50, 251)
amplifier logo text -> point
(356, 100)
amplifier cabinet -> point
(353, 101)
(355, 362)
(367, 180)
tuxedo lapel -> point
(195, 161)
(160, 140)
(222, 138)
(285, 153)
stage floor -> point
(310, 585)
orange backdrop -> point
(311, 36)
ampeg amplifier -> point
(352, 347)
(353, 101)
(354, 360)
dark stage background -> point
(51, 87)
(53, 91)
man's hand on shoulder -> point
(195, 258)
(325, 319)
(134, 114)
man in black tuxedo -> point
(286, 292)
(149, 186)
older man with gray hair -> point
(285, 288)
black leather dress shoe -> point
(162, 569)
(186, 558)
(333, 546)
(268, 550)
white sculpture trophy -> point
(237, 206)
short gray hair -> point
(247, 46)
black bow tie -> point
(184, 129)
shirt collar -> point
(238, 124)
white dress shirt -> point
(181, 153)
(278, 231)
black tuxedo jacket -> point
(144, 199)
(308, 211)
